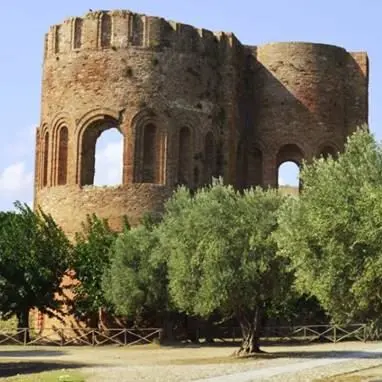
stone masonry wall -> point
(189, 103)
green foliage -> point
(333, 231)
(220, 251)
(92, 258)
(136, 282)
(34, 256)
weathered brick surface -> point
(189, 103)
(70, 204)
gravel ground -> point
(192, 363)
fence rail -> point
(309, 333)
(90, 337)
(331, 333)
(134, 336)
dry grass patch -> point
(48, 376)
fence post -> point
(335, 333)
(125, 336)
(25, 336)
(304, 332)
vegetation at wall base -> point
(333, 232)
(34, 256)
(216, 256)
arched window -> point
(108, 169)
(151, 154)
(289, 159)
(209, 158)
(101, 154)
(327, 151)
(62, 156)
(185, 156)
(45, 160)
(106, 30)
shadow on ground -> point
(31, 353)
(9, 369)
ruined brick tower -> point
(190, 104)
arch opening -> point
(62, 156)
(185, 157)
(102, 154)
(45, 160)
(151, 151)
(289, 160)
(288, 178)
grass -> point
(48, 376)
(288, 190)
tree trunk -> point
(167, 334)
(23, 325)
(250, 329)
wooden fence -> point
(307, 333)
(135, 336)
(90, 337)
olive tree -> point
(332, 233)
(222, 256)
(135, 283)
(35, 255)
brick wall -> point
(189, 103)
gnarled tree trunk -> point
(250, 325)
(23, 323)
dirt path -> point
(193, 363)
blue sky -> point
(353, 24)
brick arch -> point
(46, 158)
(87, 134)
(40, 153)
(62, 155)
(326, 149)
(61, 127)
(290, 152)
(181, 120)
(149, 130)
(95, 115)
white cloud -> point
(15, 179)
(282, 182)
(16, 183)
(108, 166)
